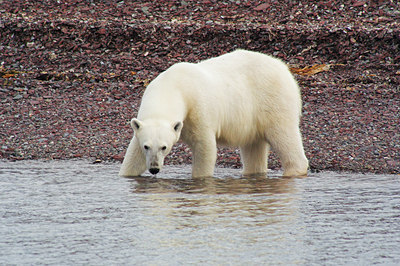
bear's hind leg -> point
(255, 158)
(287, 143)
(134, 163)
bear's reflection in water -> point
(258, 200)
(210, 185)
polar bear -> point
(241, 99)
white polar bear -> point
(243, 99)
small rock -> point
(18, 96)
(262, 7)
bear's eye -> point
(146, 147)
(163, 148)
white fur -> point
(241, 99)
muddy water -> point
(74, 212)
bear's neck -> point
(162, 104)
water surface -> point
(75, 212)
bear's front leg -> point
(134, 163)
(204, 157)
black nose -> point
(154, 171)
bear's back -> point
(243, 61)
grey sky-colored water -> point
(75, 212)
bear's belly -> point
(236, 138)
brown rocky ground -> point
(72, 72)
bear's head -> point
(156, 138)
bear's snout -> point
(154, 171)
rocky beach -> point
(72, 73)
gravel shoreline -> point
(72, 75)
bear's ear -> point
(178, 126)
(136, 124)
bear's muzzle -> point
(154, 171)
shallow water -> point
(74, 212)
